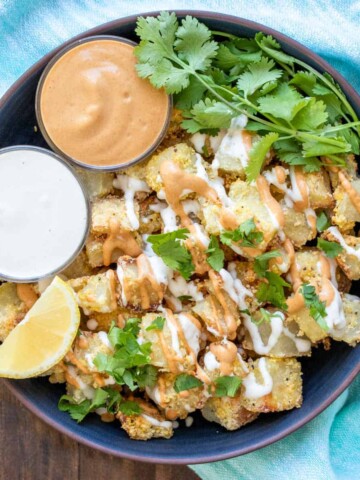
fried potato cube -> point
(86, 348)
(149, 424)
(142, 285)
(175, 405)
(228, 412)
(97, 184)
(296, 227)
(307, 261)
(349, 264)
(95, 250)
(102, 321)
(96, 293)
(351, 332)
(286, 391)
(12, 309)
(106, 209)
(150, 220)
(308, 326)
(175, 348)
(181, 154)
(345, 214)
(318, 184)
(212, 363)
(80, 267)
(288, 343)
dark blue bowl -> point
(326, 374)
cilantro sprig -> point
(227, 386)
(130, 363)
(245, 235)
(186, 382)
(331, 249)
(261, 263)
(299, 112)
(168, 246)
(157, 324)
(215, 255)
(316, 307)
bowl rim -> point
(202, 458)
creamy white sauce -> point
(91, 324)
(159, 270)
(154, 394)
(210, 361)
(89, 360)
(217, 183)
(179, 287)
(198, 140)
(87, 390)
(349, 250)
(335, 317)
(232, 145)
(104, 339)
(120, 275)
(191, 332)
(130, 186)
(157, 423)
(43, 214)
(237, 289)
(302, 345)
(254, 390)
(276, 324)
(174, 336)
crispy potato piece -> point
(80, 267)
(351, 332)
(97, 184)
(345, 214)
(104, 320)
(296, 227)
(175, 405)
(105, 209)
(228, 412)
(348, 263)
(150, 221)
(137, 291)
(308, 326)
(307, 264)
(86, 348)
(286, 390)
(96, 293)
(169, 350)
(212, 366)
(12, 309)
(95, 250)
(149, 424)
(181, 154)
(320, 195)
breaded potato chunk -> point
(349, 264)
(106, 209)
(307, 262)
(142, 286)
(319, 189)
(212, 364)
(296, 227)
(97, 184)
(86, 348)
(96, 293)
(12, 309)
(284, 380)
(95, 250)
(345, 214)
(307, 325)
(102, 321)
(80, 267)
(149, 424)
(174, 348)
(228, 412)
(180, 154)
(150, 220)
(351, 332)
(175, 405)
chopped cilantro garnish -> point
(186, 382)
(227, 386)
(157, 324)
(216, 256)
(264, 316)
(173, 253)
(272, 291)
(331, 249)
(316, 307)
(299, 112)
(322, 222)
(245, 235)
(261, 263)
(130, 363)
(130, 408)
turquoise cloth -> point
(328, 447)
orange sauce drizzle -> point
(230, 320)
(269, 200)
(147, 280)
(27, 294)
(280, 174)
(226, 354)
(121, 239)
(350, 190)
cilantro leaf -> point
(257, 155)
(322, 222)
(173, 253)
(272, 291)
(272, 48)
(261, 263)
(312, 116)
(264, 316)
(216, 256)
(78, 411)
(289, 151)
(305, 81)
(316, 307)
(157, 324)
(211, 114)
(285, 103)
(227, 386)
(258, 74)
(316, 148)
(245, 235)
(130, 408)
(186, 382)
(331, 249)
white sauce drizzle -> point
(191, 332)
(104, 339)
(157, 423)
(349, 250)
(276, 323)
(179, 287)
(130, 186)
(87, 390)
(254, 390)
(120, 275)
(238, 290)
(210, 361)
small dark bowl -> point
(326, 374)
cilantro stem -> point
(224, 34)
(343, 127)
(317, 138)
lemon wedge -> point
(44, 336)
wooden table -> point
(31, 450)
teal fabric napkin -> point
(328, 447)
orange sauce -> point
(121, 239)
(27, 294)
